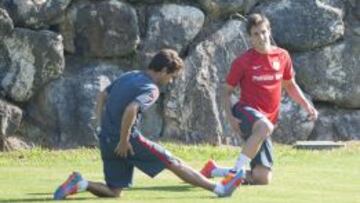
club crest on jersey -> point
(276, 65)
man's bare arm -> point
(297, 95)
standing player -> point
(261, 73)
(121, 144)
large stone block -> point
(303, 25)
(31, 60)
(100, 29)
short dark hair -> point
(166, 58)
(256, 19)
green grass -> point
(299, 176)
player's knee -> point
(264, 127)
(261, 175)
(261, 178)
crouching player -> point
(261, 73)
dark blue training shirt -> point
(134, 86)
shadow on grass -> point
(170, 188)
(40, 194)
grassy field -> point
(299, 176)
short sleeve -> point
(235, 75)
(148, 97)
(109, 87)
(289, 72)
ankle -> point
(219, 189)
(83, 185)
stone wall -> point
(55, 55)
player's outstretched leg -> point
(221, 189)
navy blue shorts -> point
(248, 117)
(149, 157)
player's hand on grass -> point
(123, 149)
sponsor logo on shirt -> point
(276, 65)
(267, 77)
